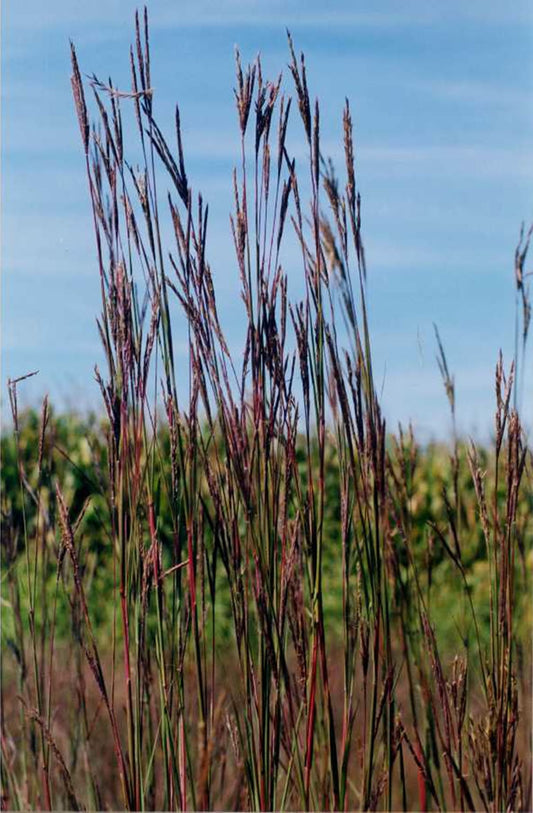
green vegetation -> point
(241, 592)
(75, 455)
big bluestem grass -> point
(215, 502)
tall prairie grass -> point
(232, 592)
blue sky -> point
(441, 95)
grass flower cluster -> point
(239, 590)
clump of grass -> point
(214, 502)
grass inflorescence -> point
(231, 592)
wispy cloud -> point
(478, 92)
(33, 14)
(470, 160)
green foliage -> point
(76, 456)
